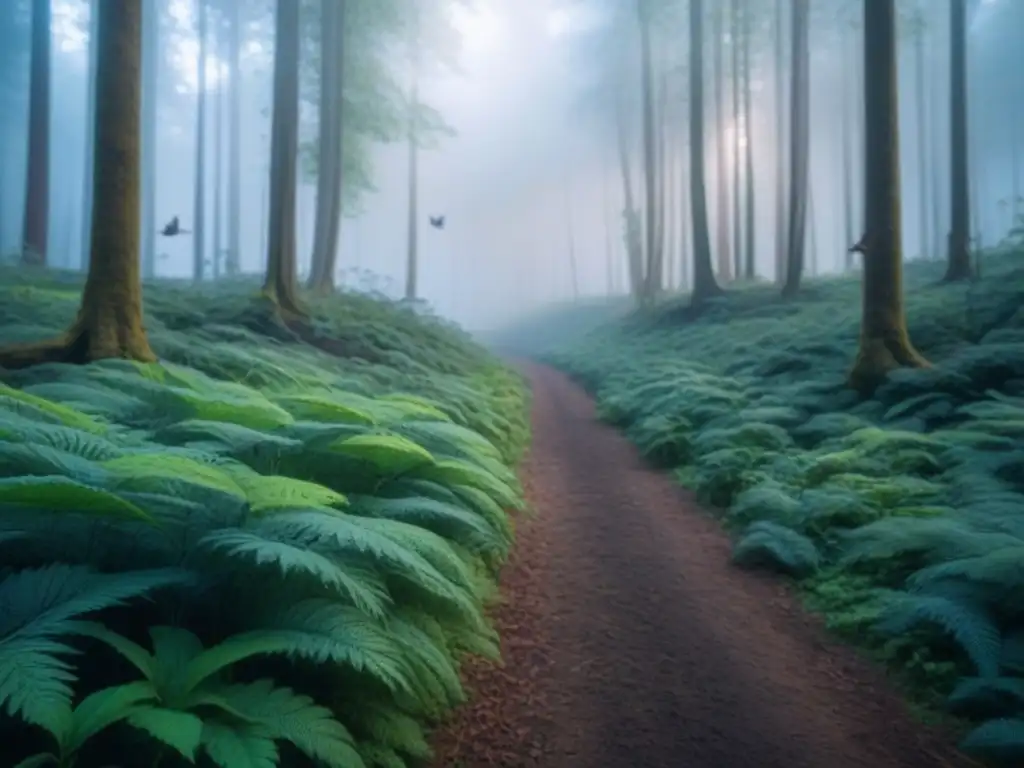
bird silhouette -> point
(437, 222)
(173, 228)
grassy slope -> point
(901, 517)
(334, 523)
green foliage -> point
(253, 553)
(901, 517)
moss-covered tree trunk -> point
(959, 265)
(884, 341)
(109, 323)
(37, 189)
(704, 284)
(279, 285)
(329, 179)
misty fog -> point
(530, 176)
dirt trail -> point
(630, 642)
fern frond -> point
(971, 627)
(284, 715)
(38, 605)
(356, 585)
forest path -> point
(629, 641)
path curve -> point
(630, 641)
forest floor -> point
(629, 640)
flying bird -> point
(173, 228)
(437, 222)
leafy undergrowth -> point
(253, 553)
(902, 517)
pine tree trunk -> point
(734, 87)
(922, 142)
(199, 199)
(937, 174)
(109, 322)
(37, 190)
(218, 159)
(279, 286)
(329, 180)
(781, 246)
(800, 142)
(150, 74)
(412, 243)
(846, 132)
(704, 284)
(90, 130)
(650, 155)
(233, 264)
(750, 265)
(685, 219)
(884, 341)
(959, 265)
(609, 237)
(570, 235)
(634, 246)
(721, 175)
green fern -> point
(185, 679)
(36, 608)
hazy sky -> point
(528, 163)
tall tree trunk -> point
(650, 153)
(846, 133)
(37, 188)
(884, 341)
(671, 214)
(781, 246)
(734, 87)
(109, 322)
(90, 131)
(412, 244)
(570, 234)
(812, 234)
(1016, 129)
(233, 264)
(150, 75)
(799, 129)
(750, 265)
(279, 285)
(704, 284)
(663, 175)
(608, 214)
(199, 199)
(721, 175)
(959, 266)
(218, 155)
(329, 180)
(633, 242)
(685, 219)
(922, 142)
(937, 161)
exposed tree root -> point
(879, 355)
(80, 345)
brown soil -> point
(629, 641)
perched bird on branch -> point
(173, 228)
(437, 222)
